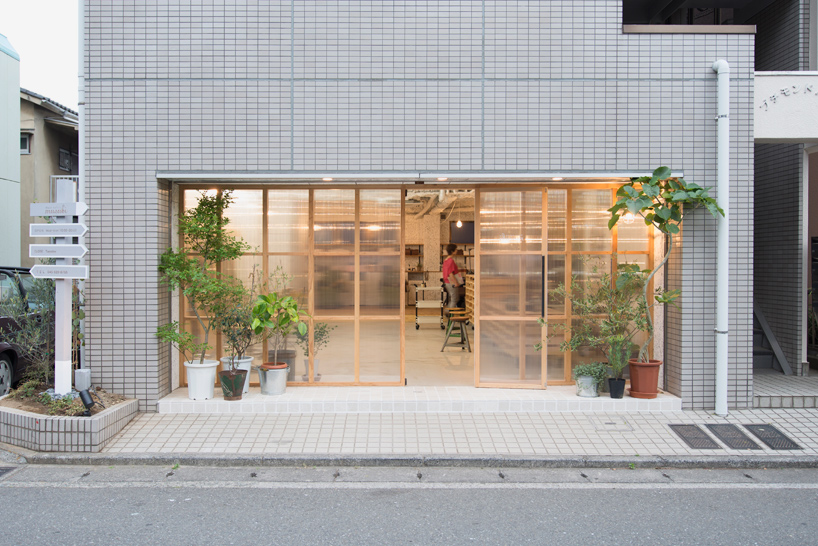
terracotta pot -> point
(644, 378)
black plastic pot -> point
(616, 387)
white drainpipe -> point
(81, 141)
(722, 273)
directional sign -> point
(59, 271)
(56, 251)
(58, 209)
(57, 230)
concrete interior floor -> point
(426, 365)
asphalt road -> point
(93, 505)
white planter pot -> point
(243, 363)
(306, 376)
(586, 387)
(201, 378)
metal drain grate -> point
(694, 436)
(771, 436)
(6, 469)
(733, 437)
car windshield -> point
(28, 283)
(8, 288)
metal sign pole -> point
(62, 313)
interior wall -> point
(778, 248)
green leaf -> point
(634, 206)
(673, 228)
(631, 191)
(651, 191)
(612, 222)
(680, 195)
(663, 213)
(662, 173)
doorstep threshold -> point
(302, 400)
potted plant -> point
(662, 201)
(278, 315)
(589, 377)
(607, 313)
(320, 338)
(191, 269)
(235, 325)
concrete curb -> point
(214, 460)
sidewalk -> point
(457, 439)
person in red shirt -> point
(451, 276)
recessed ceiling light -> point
(327, 179)
(557, 178)
(442, 179)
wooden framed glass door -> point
(509, 279)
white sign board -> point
(56, 251)
(57, 230)
(58, 209)
(59, 271)
(785, 107)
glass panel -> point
(295, 283)
(380, 220)
(288, 218)
(641, 259)
(556, 276)
(556, 220)
(242, 268)
(511, 285)
(335, 361)
(246, 214)
(323, 332)
(632, 234)
(380, 351)
(334, 220)
(587, 268)
(193, 326)
(556, 358)
(507, 353)
(589, 220)
(380, 285)
(334, 285)
(191, 197)
(510, 221)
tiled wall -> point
(783, 44)
(482, 86)
(779, 213)
(783, 36)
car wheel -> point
(6, 374)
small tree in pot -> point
(320, 338)
(662, 201)
(276, 315)
(607, 313)
(191, 269)
(236, 326)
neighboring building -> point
(49, 148)
(9, 154)
(324, 116)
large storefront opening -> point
(366, 263)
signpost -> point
(56, 251)
(57, 230)
(64, 251)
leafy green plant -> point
(320, 338)
(31, 326)
(608, 312)
(191, 269)
(662, 201)
(595, 370)
(279, 315)
(26, 389)
(235, 320)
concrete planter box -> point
(69, 434)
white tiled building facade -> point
(472, 86)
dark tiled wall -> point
(782, 36)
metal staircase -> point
(767, 353)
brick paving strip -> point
(439, 439)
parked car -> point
(13, 281)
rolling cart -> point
(429, 297)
